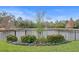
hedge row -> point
(31, 39)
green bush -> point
(28, 39)
(42, 40)
(55, 38)
(12, 38)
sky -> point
(52, 13)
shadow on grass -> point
(61, 43)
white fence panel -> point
(68, 34)
(20, 33)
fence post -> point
(15, 32)
(25, 32)
(75, 34)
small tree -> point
(39, 19)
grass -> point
(72, 46)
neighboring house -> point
(70, 24)
(6, 23)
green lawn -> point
(71, 46)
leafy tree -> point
(60, 24)
(77, 23)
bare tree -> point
(40, 18)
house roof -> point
(6, 22)
(70, 24)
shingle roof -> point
(6, 22)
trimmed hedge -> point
(55, 38)
(28, 39)
(11, 38)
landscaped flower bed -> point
(33, 41)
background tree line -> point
(19, 22)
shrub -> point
(11, 38)
(28, 39)
(42, 40)
(55, 38)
